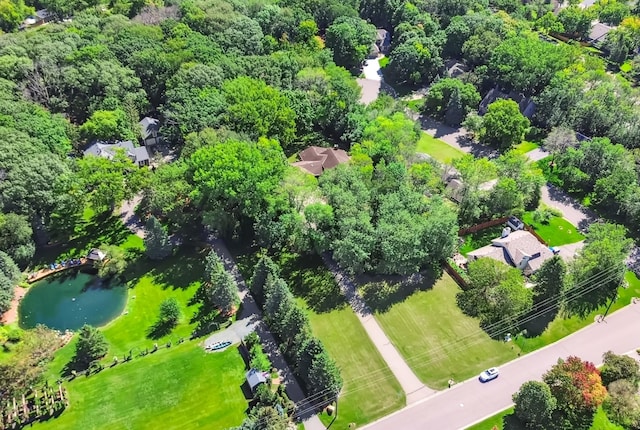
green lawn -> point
(370, 389)
(600, 422)
(182, 387)
(437, 340)
(557, 232)
(438, 149)
(525, 146)
(560, 326)
(177, 277)
(480, 238)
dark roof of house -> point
(255, 378)
(599, 32)
(149, 127)
(316, 159)
(525, 104)
(108, 150)
(43, 14)
(141, 154)
(382, 35)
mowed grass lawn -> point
(557, 232)
(561, 326)
(437, 340)
(437, 149)
(178, 277)
(182, 387)
(370, 390)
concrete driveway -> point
(371, 84)
(568, 252)
(235, 332)
(472, 401)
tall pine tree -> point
(223, 290)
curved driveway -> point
(469, 402)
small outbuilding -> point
(255, 378)
(96, 255)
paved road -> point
(552, 196)
(571, 209)
(471, 401)
(414, 389)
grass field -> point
(437, 149)
(370, 389)
(560, 326)
(177, 277)
(506, 421)
(182, 387)
(557, 232)
(525, 146)
(437, 340)
(480, 238)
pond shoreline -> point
(11, 315)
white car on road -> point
(489, 374)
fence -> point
(455, 275)
(482, 226)
(537, 236)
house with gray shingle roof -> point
(150, 131)
(138, 155)
(520, 249)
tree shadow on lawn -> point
(159, 329)
(537, 326)
(207, 318)
(309, 278)
(180, 270)
(382, 292)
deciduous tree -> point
(618, 367)
(503, 124)
(156, 240)
(350, 39)
(534, 405)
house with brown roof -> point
(520, 249)
(316, 159)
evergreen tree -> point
(324, 377)
(455, 111)
(265, 267)
(91, 346)
(223, 289)
(278, 305)
(156, 240)
(169, 312)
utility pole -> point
(613, 299)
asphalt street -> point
(472, 401)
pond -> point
(71, 300)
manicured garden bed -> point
(438, 149)
(437, 340)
